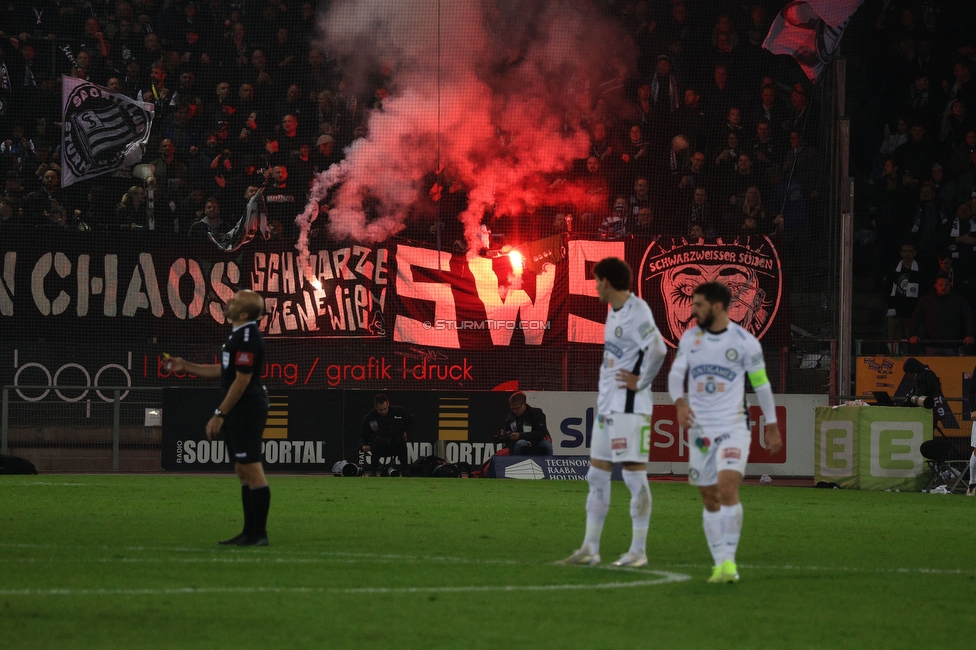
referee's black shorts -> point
(244, 427)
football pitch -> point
(99, 561)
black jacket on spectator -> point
(394, 424)
(530, 426)
(905, 284)
(943, 318)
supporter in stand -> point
(210, 223)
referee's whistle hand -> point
(213, 427)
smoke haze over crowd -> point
(479, 88)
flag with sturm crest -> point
(103, 130)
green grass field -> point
(131, 562)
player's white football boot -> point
(632, 560)
(971, 490)
(582, 556)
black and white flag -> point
(255, 218)
(103, 130)
(810, 31)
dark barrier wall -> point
(309, 430)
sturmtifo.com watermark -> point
(487, 324)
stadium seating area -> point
(914, 151)
(689, 102)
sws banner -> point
(399, 294)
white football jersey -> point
(628, 335)
(716, 367)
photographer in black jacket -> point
(385, 431)
(525, 429)
(926, 392)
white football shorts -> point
(621, 438)
(713, 450)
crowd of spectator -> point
(704, 136)
(920, 96)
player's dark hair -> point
(517, 399)
(715, 292)
(615, 271)
(380, 399)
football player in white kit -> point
(633, 352)
(715, 357)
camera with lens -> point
(922, 401)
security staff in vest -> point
(243, 412)
(525, 429)
(385, 431)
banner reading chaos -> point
(389, 315)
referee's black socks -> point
(246, 501)
(260, 503)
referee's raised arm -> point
(202, 370)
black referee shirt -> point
(243, 352)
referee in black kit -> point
(243, 413)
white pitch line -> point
(33, 483)
(841, 569)
(234, 555)
(665, 577)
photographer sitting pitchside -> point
(525, 426)
(385, 431)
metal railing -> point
(23, 413)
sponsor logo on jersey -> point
(615, 350)
(711, 386)
(731, 354)
(618, 444)
(712, 369)
(645, 329)
(731, 453)
(244, 359)
(225, 359)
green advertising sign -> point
(872, 448)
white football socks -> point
(731, 529)
(712, 524)
(640, 508)
(597, 506)
(972, 469)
